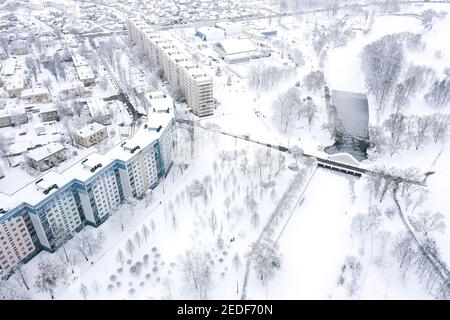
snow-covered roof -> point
(71, 86)
(97, 106)
(152, 130)
(34, 92)
(15, 82)
(211, 32)
(234, 46)
(90, 129)
(159, 100)
(45, 151)
(9, 66)
(47, 108)
(79, 60)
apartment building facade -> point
(196, 85)
(88, 192)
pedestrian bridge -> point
(342, 162)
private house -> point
(85, 75)
(98, 110)
(35, 95)
(49, 113)
(71, 89)
(19, 47)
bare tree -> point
(120, 257)
(197, 273)
(423, 125)
(48, 275)
(129, 247)
(439, 126)
(145, 232)
(138, 238)
(5, 146)
(236, 262)
(427, 222)
(212, 221)
(382, 62)
(314, 80)
(310, 111)
(84, 291)
(21, 275)
(266, 259)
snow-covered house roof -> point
(9, 67)
(96, 106)
(90, 129)
(85, 73)
(45, 151)
(79, 60)
(32, 92)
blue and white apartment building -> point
(89, 191)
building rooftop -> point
(45, 151)
(9, 66)
(34, 92)
(234, 46)
(85, 73)
(90, 129)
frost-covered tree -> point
(21, 275)
(48, 275)
(440, 124)
(84, 291)
(197, 272)
(310, 111)
(212, 222)
(266, 259)
(129, 247)
(138, 238)
(314, 80)
(120, 258)
(297, 57)
(382, 63)
(5, 146)
(11, 291)
(422, 128)
(395, 127)
(427, 222)
(439, 94)
(145, 232)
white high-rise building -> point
(89, 191)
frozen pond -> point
(353, 112)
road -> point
(122, 95)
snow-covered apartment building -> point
(88, 192)
(196, 85)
